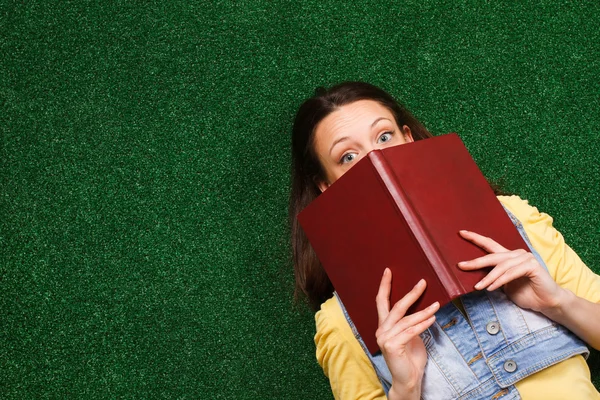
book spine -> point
(453, 287)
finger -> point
(409, 321)
(490, 260)
(419, 328)
(398, 342)
(509, 276)
(525, 269)
(399, 310)
(486, 243)
(502, 269)
(383, 296)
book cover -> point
(402, 207)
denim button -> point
(510, 366)
(492, 327)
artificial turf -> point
(144, 171)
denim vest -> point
(482, 356)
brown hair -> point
(311, 279)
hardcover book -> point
(402, 208)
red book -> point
(402, 208)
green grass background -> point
(145, 169)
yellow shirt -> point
(352, 376)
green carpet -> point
(144, 171)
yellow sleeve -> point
(569, 379)
(563, 263)
(343, 360)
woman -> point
(454, 351)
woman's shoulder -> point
(333, 336)
(343, 360)
(564, 265)
(334, 332)
(520, 207)
(538, 225)
(330, 320)
(530, 216)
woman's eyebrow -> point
(336, 142)
(344, 138)
(379, 119)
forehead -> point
(355, 116)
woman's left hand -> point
(525, 281)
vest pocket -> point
(447, 373)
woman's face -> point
(350, 132)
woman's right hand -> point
(398, 338)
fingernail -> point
(434, 305)
(386, 271)
(478, 285)
(460, 264)
(420, 282)
(463, 231)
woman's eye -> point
(346, 158)
(386, 137)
